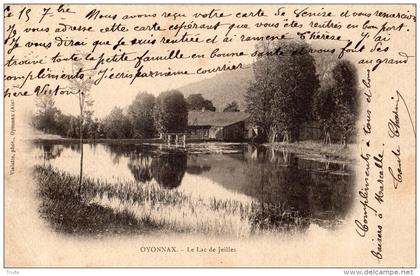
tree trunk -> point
(262, 180)
(295, 134)
(81, 169)
(81, 142)
(327, 138)
(286, 137)
(344, 141)
(273, 155)
(285, 154)
(272, 135)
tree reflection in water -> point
(296, 191)
(287, 192)
(194, 166)
(50, 152)
(280, 189)
(140, 167)
(168, 169)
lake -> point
(211, 188)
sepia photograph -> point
(209, 135)
(276, 160)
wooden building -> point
(221, 126)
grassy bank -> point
(101, 208)
(334, 151)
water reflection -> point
(194, 166)
(285, 186)
(50, 152)
(141, 167)
(168, 169)
(268, 189)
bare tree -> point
(83, 85)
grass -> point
(333, 151)
(68, 212)
(105, 208)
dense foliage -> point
(231, 107)
(49, 119)
(280, 99)
(117, 125)
(291, 89)
(197, 102)
(335, 103)
(171, 113)
(140, 114)
(144, 118)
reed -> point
(102, 207)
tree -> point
(140, 113)
(231, 107)
(171, 113)
(90, 126)
(44, 102)
(324, 108)
(73, 127)
(279, 100)
(260, 94)
(323, 99)
(62, 124)
(117, 125)
(197, 102)
(345, 94)
(46, 115)
(295, 83)
(82, 86)
(335, 104)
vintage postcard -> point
(214, 135)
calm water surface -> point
(282, 188)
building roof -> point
(209, 118)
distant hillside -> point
(232, 85)
(223, 88)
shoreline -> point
(336, 152)
(316, 149)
